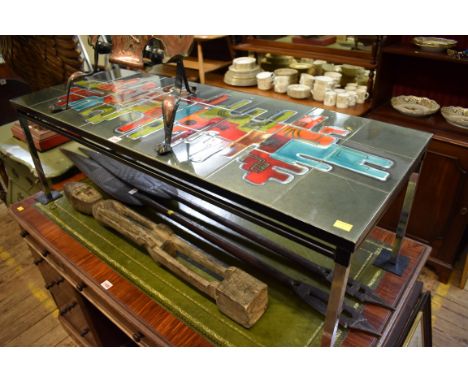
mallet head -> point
(242, 297)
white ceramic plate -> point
(415, 106)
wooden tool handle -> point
(176, 244)
(129, 223)
(160, 241)
(148, 234)
(185, 273)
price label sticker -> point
(114, 139)
(107, 284)
(133, 191)
(20, 208)
(342, 225)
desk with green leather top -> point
(153, 307)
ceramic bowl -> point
(455, 115)
(415, 106)
(434, 44)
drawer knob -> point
(38, 261)
(67, 308)
(50, 285)
(80, 286)
(60, 280)
(137, 336)
(84, 332)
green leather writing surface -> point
(287, 321)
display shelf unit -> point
(443, 185)
(215, 79)
(435, 124)
(410, 50)
(358, 58)
(364, 58)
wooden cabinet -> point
(440, 212)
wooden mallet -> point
(238, 295)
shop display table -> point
(316, 178)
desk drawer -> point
(75, 300)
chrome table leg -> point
(47, 195)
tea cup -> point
(318, 66)
(307, 79)
(361, 95)
(323, 81)
(351, 87)
(265, 80)
(330, 98)
(281, 84)
(335, 75)
(352, 96)
(342, 100)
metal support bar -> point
(335, 301)
(392, 260)
(47, 194)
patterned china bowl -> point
(455, 115)
(434, 44)
(415, 106)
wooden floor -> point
(28, 316)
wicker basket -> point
(42, 61)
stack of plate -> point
(293, 74)
(299, 91)
(302, 67)
(272, 61)
(242, 72)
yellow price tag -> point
(342, 225)
(20, 208)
